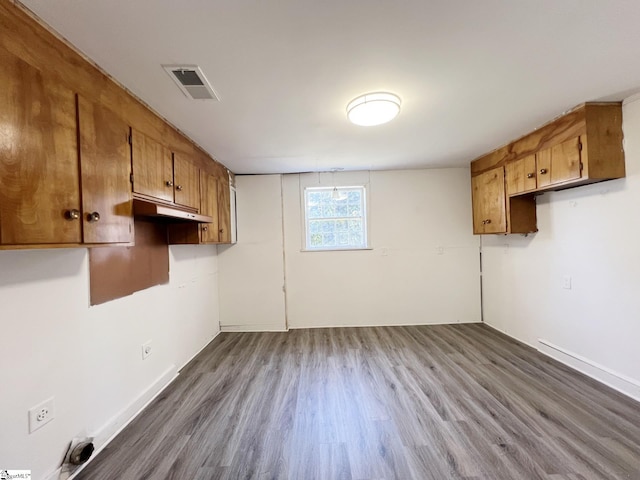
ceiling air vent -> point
(191, 81)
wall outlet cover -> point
(147, 349)
(41, 414)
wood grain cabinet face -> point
(105, 163)
(187, 182)
(559, 164)
(224, 211)
(521, 175)
(39, 175)
(489, 206)
(209, 206)
(152, 166)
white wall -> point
(252, 270)
(423, 266)
(590, 234)
(89, 358)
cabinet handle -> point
(531, 175)
(93, 217)
(169, 183)
(204, 229)
(72, 214)
(543, 171)
(179, 187)
(486, 222)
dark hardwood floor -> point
(427, 402)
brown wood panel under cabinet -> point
(152, 166)
(224, 211)
(105, 169)
(40, 194)
(521, 175)
(186, 177)
(488, 196)
(116, 272)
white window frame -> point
(363, 217)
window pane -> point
(335, 218)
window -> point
(335, 218)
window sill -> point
(304, 250)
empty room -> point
(304, 240)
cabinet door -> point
(187, 180)
(488, 196)
(152, 165)
(38, 157)
(105, 164)
(224, 211)
(521, 175)
(209, 206)
(559, 164)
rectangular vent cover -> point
(191, 81)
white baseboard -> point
(119, 421)
(114, 426)
(618, 381)
(417, 324)
(198, 352)
(252, 328)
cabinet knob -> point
(169, 183)
(543, 171)
(179, 187)
(72, 214)
(486, 222)
(93, 217)
(531, 175)
(204, 229)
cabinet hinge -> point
(581, 166)
(130, 140)
(580, 146)
(131, 177)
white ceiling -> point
(472, 75)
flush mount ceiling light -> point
(373, 108)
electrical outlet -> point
(147, 349)
(566, 282)
(41, 414)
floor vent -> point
(191, 81)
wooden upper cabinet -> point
(152, 165)
(224, 210)
(489, 206)
(521, 175)
(209, 206)
(39, 176)
(215, 232)
(581, 147)
(105, 164)
(186, 177)
(559, 164)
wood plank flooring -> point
(425, 402)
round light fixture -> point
(373, 108)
